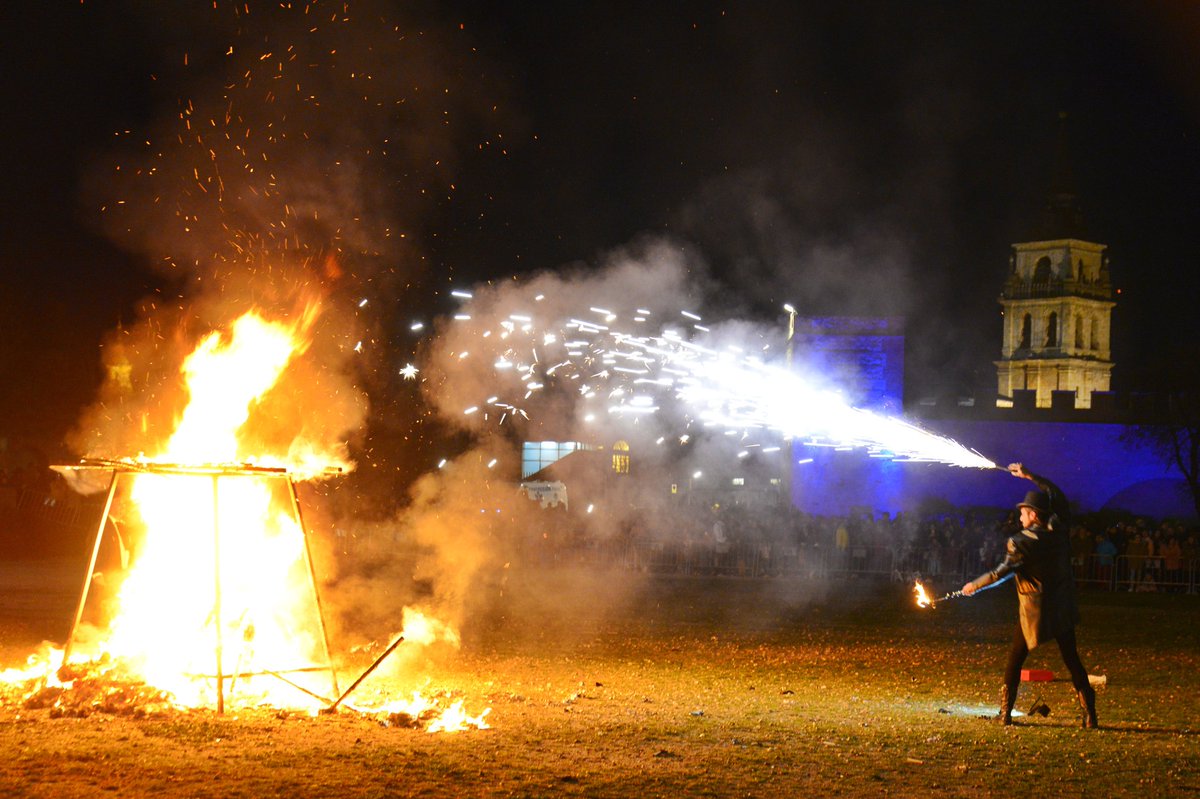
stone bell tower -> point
(1057, 302)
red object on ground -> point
(1036, 675)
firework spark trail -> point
(636, 374)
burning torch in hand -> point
(926, 601)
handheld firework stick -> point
(363, 676)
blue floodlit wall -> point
(1088, 461)
(863, 355)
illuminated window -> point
(537, 455)
(739, 481)
(620, 458)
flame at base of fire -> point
(37, 673)
(924, 600)
(81, 689)
(423, 711)
(107, 686)
(116, 686)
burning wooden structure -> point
(219, 611)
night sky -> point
(856, 158)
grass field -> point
(674, 687)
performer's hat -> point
(1038, 501)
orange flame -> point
(422, 630)
(220, 583)
(219, 597)
(424, 711)
(39, 667)
(455, 719)
(923, 599)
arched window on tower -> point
(1052, 330)
(1095, 336)
(1041, 272)
(1078, 332)
(1026, 332)
(620, 458)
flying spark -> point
(719, 388)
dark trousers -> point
(1020, 650)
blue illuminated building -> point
(1082, 446)
(1090, 460)
(1078, 439)
(862, 355)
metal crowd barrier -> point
(1095, 572)
(62, 512)
(1150, 573)
(950, 565)
(776, 560)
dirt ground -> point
(684, 687)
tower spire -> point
(1062, 216)
(1057, 302)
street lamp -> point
(791, 336)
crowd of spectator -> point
(767, 539)
(1134, 554)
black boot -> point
(1087, 701)
(1008, 698)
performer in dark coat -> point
(1039, 559)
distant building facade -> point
(1058, 302)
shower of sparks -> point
(409, 372)
(635, 372)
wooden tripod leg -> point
(312, 574)
(91, 569)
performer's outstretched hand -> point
(1019, 470)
